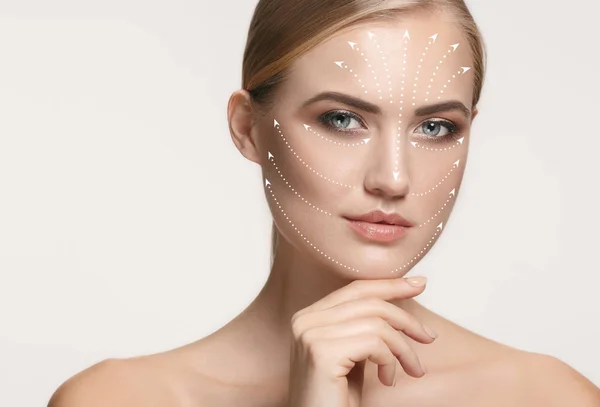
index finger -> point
(386, 289)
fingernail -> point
(430, 331)
(417, 281)
(423, 366)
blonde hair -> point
(283, 30)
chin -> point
(358, 260)
(380, 262)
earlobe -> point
(241, 119)
(474, 114)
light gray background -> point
(129, 223)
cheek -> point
(429, 169)
(435, 178)
(318, 161)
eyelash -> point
(326, 117)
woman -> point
(359, 114)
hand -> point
(342, 330)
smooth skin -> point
(343, 330)
(320, 336)
(347, 349)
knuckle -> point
(377, 324)
(375, 341)
(296, 315)
(307, 338)
(297, 326)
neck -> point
(295, 282)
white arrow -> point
(306, 126)
(452, 192)
(441, 225)
(433, 37)
(267, 182)
(339, 63)
(406, 35)
(465, 68)
(460, 140)
(371, 35)
(352, 44)
(455, 46)
(366, 140)
(456, 162)
(270, 155)
(414, 143)
(396, 175)
(275, 123)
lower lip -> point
(378, 232)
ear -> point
(475, 111)
(241, 115)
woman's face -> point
(376, 118)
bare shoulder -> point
(552, 382)
(520, 378)
(536, 380)
(129, 382)
(480, 371)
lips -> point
(380, 217)
(378, 226)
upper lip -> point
(381, 217)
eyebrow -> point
(372, 108)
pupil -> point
(341, 119)
(432, 127)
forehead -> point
(425, 54)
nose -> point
(388, 175)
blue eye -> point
(341, 121)
(438, 131)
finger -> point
(386, 289)
(396, 317)
(372, 326)
(371, 347)
(384, 374)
